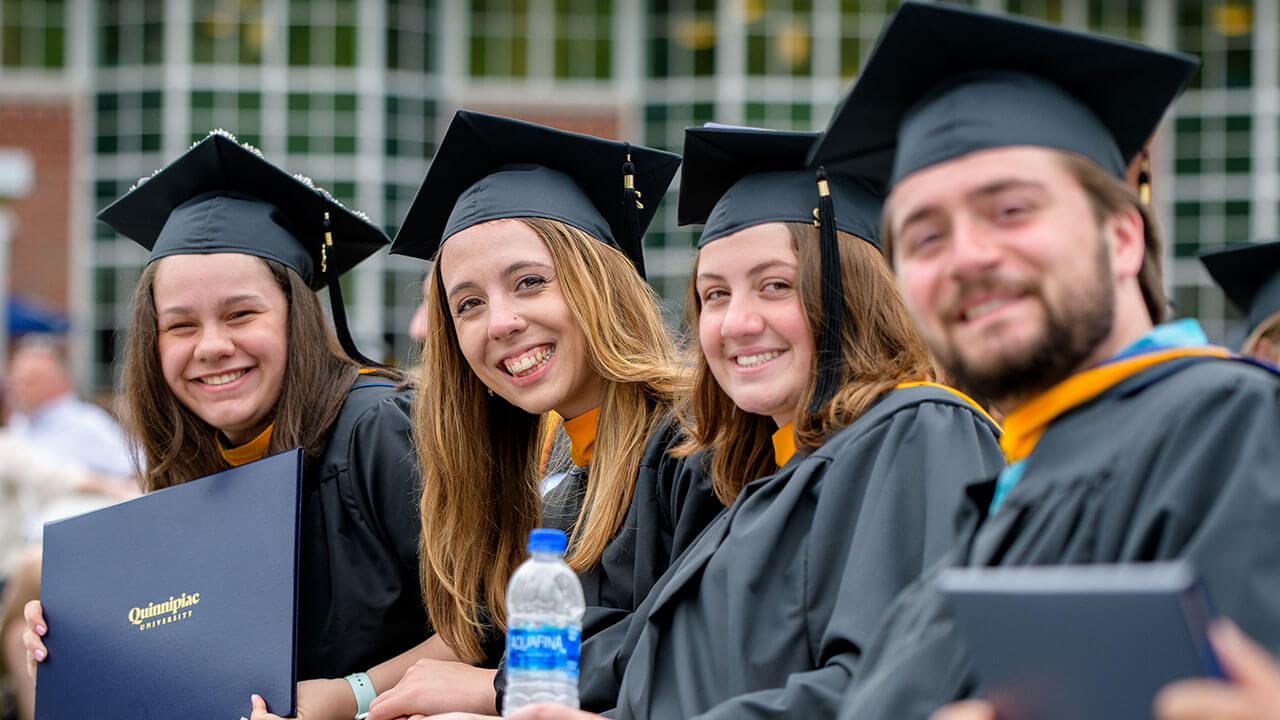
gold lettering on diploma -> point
(175, 609)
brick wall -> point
(39, 263)
(601, 122)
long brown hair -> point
(480, 455)
(176, 445)
(879, 350)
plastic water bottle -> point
(544, 626)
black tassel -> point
(832, 329)
(336, 304)
(631, 207)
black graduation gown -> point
(672, 502)
(359, 598)
(767, 613)
(1181, 460)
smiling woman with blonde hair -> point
(537, 303)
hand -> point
(1252, 693)
(435, 686)
(326, 700)
(551, 711)
(541, 711)
(966, 710)
(317, 700)
(33, 613)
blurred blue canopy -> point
(26, 316)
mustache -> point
(966, 288)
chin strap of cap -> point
(335, 302)
(832, 329)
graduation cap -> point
(1250, 276)
(945, 81)
(489, 167)
(224, 197)
(734, 178)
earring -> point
(490, 391)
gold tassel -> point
(1144, 178)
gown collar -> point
(784, 444)
(1024, 426)
(582, 436)
(255, 449)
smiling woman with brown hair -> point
(229, 358)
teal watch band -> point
(362, 687)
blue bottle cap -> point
(547, 540)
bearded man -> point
(1033, 272)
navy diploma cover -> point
(179, 603)
(1070, 642)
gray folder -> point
(1072, 642)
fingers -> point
(260, 710)
(33, 613)
(389, 705)
(398, 702)
(1203, 699)
(966, 710)
(550, 711)
(36, 651)
(1245, 662)
(35, 646)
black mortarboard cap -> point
(1250, 276)
(945, 81)
(222, 196)
(489, 167)
(733, 178)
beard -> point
(1068, 338)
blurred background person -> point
(59, 456)
(45, 412)
(1250, 277)
(29, 479)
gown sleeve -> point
(384, 470)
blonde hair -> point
(880, 349)
(480, 455)
(1269, 329)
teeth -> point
(976, 310)
(222, 379)
(528, 363)
(757, 359)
